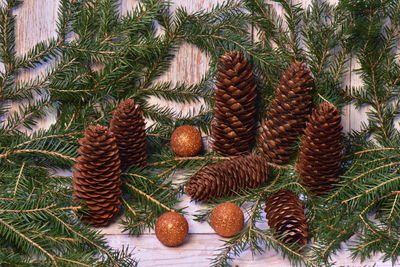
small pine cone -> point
(285, 214)
(287, 114)
(128, 126)
(97, 176)
(234, 125)
(226, 177)
(321, 150)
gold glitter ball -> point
(227, 219)
(171, 229)
(186, 141)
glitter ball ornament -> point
(227, 219)
(186, 141)
(171, 229)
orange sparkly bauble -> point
(227, 219)
(171, 229)
(186, 141)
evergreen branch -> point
(394, 203)
(169, 170)
(210, 158)
(376, 149)
(238, 44)
(288, 249)
(43, 51)
(30, 241)
(371, 189)
(44, 152)
(188, 158)
(146, 179)
(293, 15)
(373, 170)
(150, 198)
(129, 207)
(115, 263)
(73, 261)
(7, 40)
(44, 209)
(46, 137)
(18, 179)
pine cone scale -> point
(96, 177)
(287, 114)
(321, 150)
(226, 177)
(128, 126)
(234, 108)
(285, 214)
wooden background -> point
(36, 21)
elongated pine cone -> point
(287, 114)
(285, 214)
(226, 177)
(234, 125)
(321, 150)
(128, 126)
(97, 176)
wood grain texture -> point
(189, 64)
(199, 248)
(357, 117)
(127, 6)
(36, 21)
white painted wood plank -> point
(197, 251)
(35, 22)
(357, 116)
(189, 64)
(127, 6)
(200, 248)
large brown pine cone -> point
(285, 214)
(287, 114)
(96, 178)
(234, 125)
(226, 177)
(128, 126)
(321, 150)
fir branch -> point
(114, 261)
(30, 241)
(44, 152)
(18, 179)
(286, 248)
(148, 197)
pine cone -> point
(226, 177)
(285, 214)
(234, 125)
(96, 175)
(321, 150)
(287, 114)
(128, 126)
